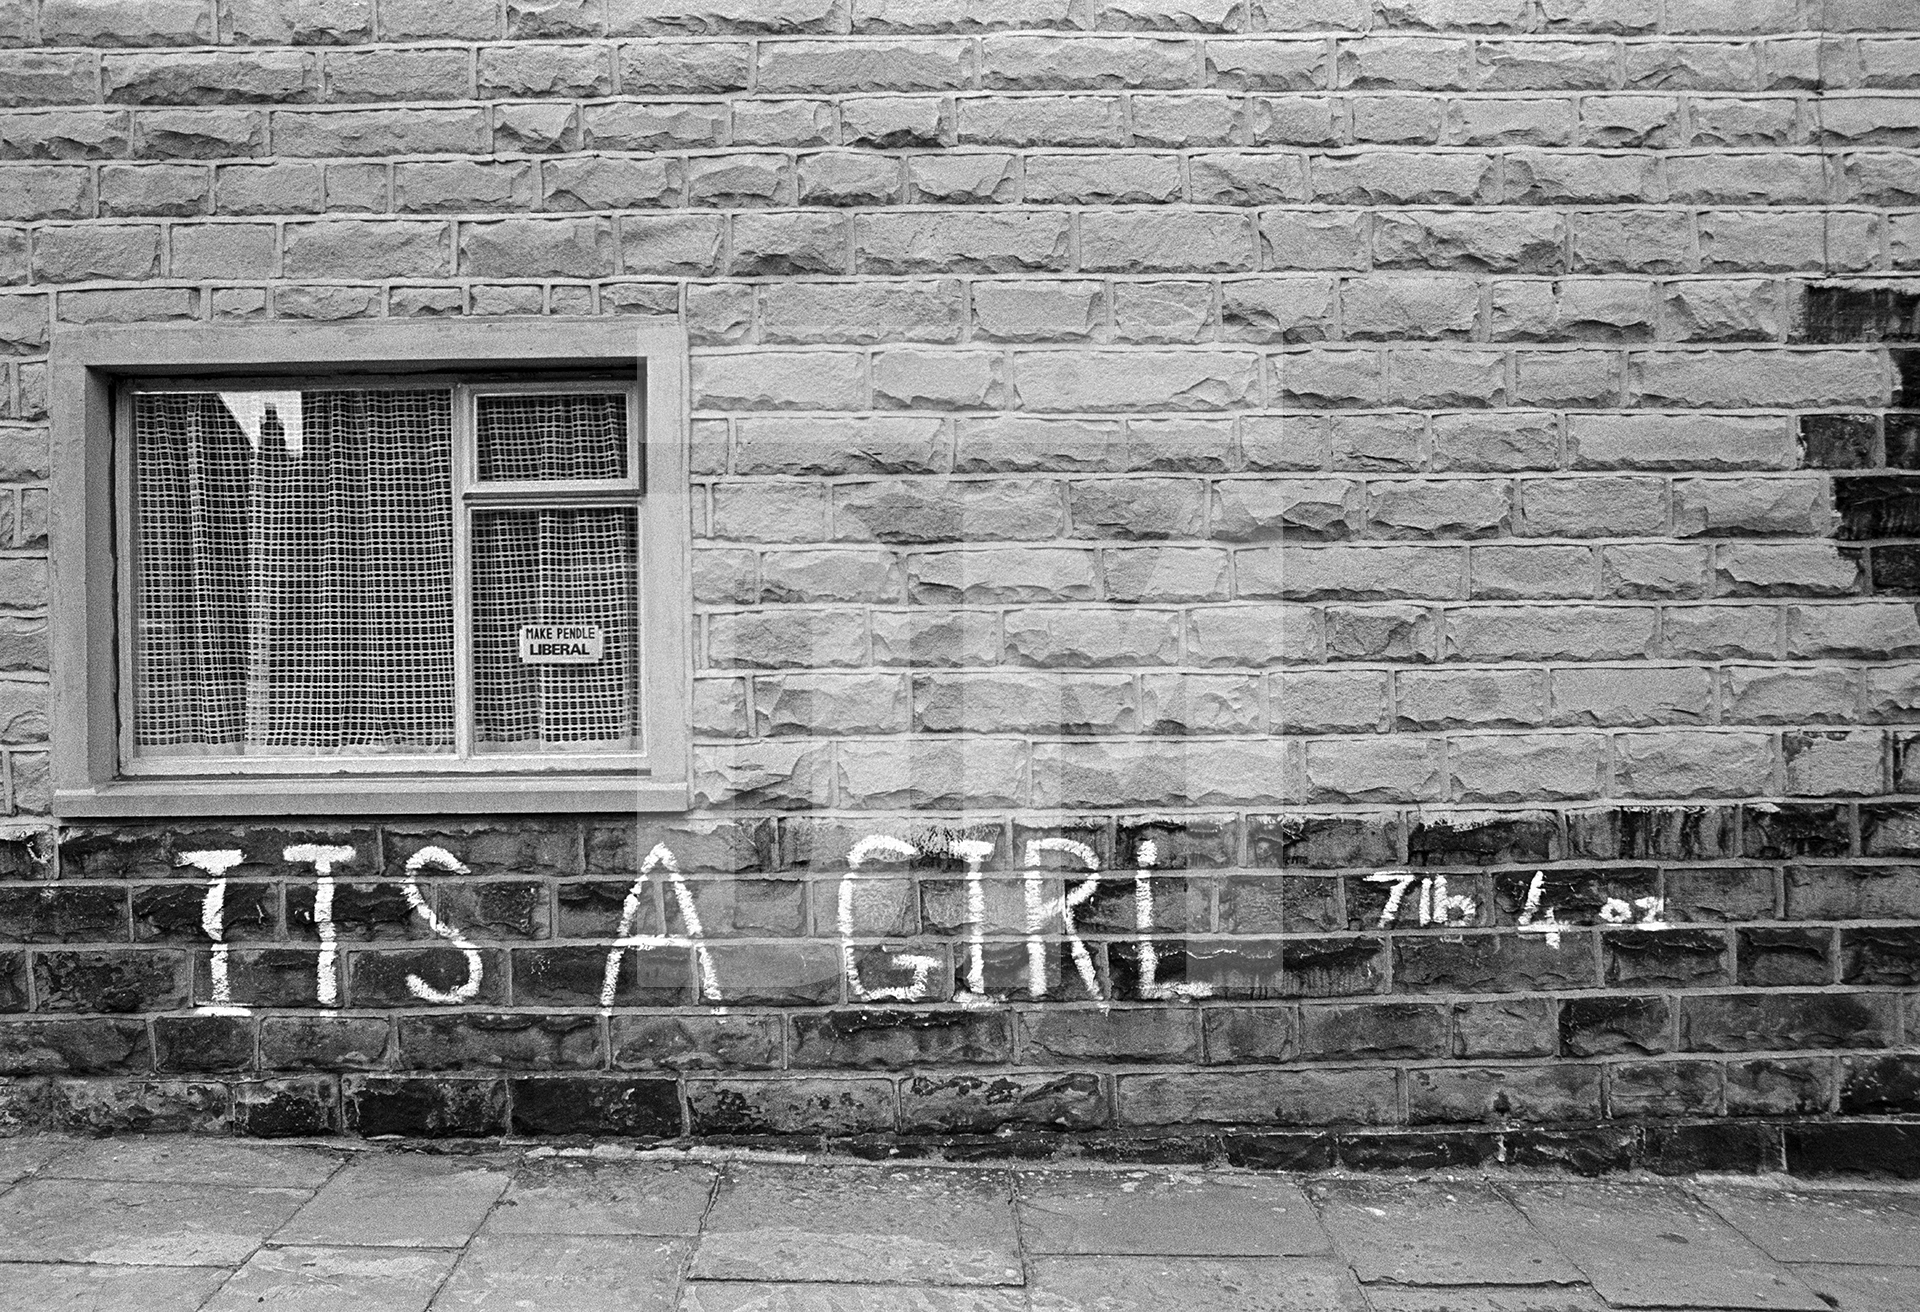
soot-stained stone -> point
(1492, 963)
(429, 1108)
(1875, 1148)
(1127, 965)
(171, 913)
(1880, 1086)
(1658, 833)
(1906, 389)
(291, 1108)
(1877, 506)
(126, 981)
(597, 1105)
(1880, 956)
(882, 1039)
(1494, 840)
(62, 913)
(1838, 441)
(1682, 958)
(1686, 1149)
(1599, 1027)
(13, 981)
(89, 1046)
(203, 1043)
(1198, 844)
(1575, 897)
(1323, 842)
(362, 912)
(1770, 958)
(1773, 832)
(1903, 440)
(1895, 570)
(1861, 314)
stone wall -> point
(1413, 493)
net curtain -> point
(294, 580)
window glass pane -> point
(555, 628)
(294, 572)
(564, 435)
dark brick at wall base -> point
(1431, 484)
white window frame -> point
(96, 772)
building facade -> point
(1297, 580)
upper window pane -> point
(293, 572)
(566, 436)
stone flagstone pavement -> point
(178, 1224)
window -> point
(373, 568)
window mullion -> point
(464, 709)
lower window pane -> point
(293, 572)
(555, 629)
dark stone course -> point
(423, 1107)
(1651, 833)
(574, 976)
(729, 1041)
(170, 913)
(362, 913)
(882, 1039)
(1903, 440)
(13, 981)
(597, 1105)
(1838, 441)
(1895, 569)
(296, 1107)
(63, 913)
(1502, 840)
(324, 1043)
(74, 1047)
(514, 1041)
(1680, 958)
(989, 1104)
(1857, 1148)
(263, 977)
(1323, 842)
(1880, 1086)
(1787, 830)
(1416, 1150)
(1196, 844)
(194, 1044)
(1575, 896)
(1724, 1146)
(1775, 958)
(1279, 1150)
(1841, 313)
(1877, 506)
(378, 977)
(1746, 1022)
(1880, 956)
(116, 981)
(1600, 1027)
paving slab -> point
(400, 1200)
(578, 1273)
(60, 1287)
(139, 1224)
(1436, 1233)
(1144, 1212)
(306, 1279)
(1866, 1228)
(568, 1197)
(752, 1296)
(1483, 1298)
(1865, 1288)
(1649, 1247)
(860, 1225)
(1192, 1284)
(21, 1157)
(182, 1158)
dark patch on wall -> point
(1875, 506)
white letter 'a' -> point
(441, 859)
(323, 858)
(660, 858)
(213, 909)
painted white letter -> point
(213, 920)
(662, 857)
(974, 852)
(323, 859)
(1039, 911)
(921, 966)
(441, 859)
